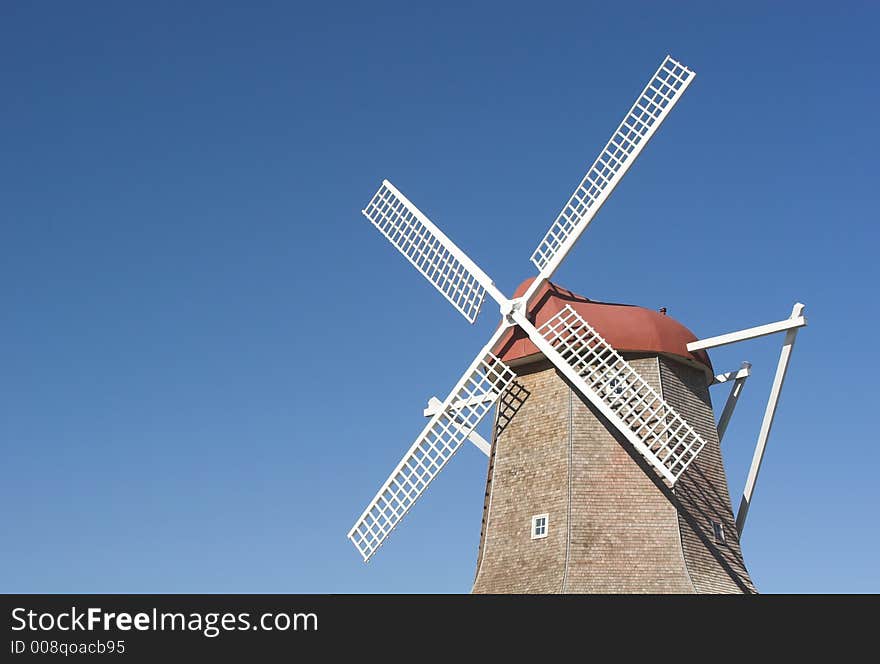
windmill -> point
(604, 469)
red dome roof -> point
(626, 327)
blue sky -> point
(210, 360)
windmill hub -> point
(508, 307)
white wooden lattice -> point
(644, 118)
(427, 248)
(468, 403)
(659, 433)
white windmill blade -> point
(433, 254)
(610, 383)
(459, 415)
(644, 118)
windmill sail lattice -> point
(660, 434)
(427, 248)
(644, 118)
(463, 410)
(588, 361)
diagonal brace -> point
(739, 381)
(769, 414)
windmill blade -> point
(459, 415)
(644, 118)
(433, 254)
(610, 383)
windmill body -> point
(610, 526)
(605, 471)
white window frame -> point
(718, 532)
(535, 519)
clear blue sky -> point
(210, 360)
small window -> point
(539, 526)
(718, 529)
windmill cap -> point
(628, 328)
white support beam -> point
(769, 413)
(745, 372)
(739, 381)
(434, 405)
(751, 333)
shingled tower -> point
(570, 507)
